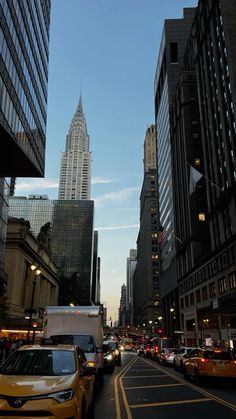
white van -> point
(79, 325)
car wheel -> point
(91, 412)
(175, 366)
(181, 366)
(83, 410)
(197, 376)
(185, 373)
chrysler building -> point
(75, 175)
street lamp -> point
(36, 272)
(150, 322)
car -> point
(109, 357)
(166, 356)
(48, 381)
(148, 347)
(140, 350)
(209, 363)
(114, 345)
(181, 354)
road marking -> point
(117, 401)
(136, 406)
(158, 385)
(145, 376)
(200, 390)
(143, 369)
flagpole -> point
(208, 180)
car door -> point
(191, 361)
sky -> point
(107, 50)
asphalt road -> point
(142, 389)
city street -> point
(141, 388)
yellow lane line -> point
(136, 406)
(146, 376)
(159, 385)
(143, 369)
(200, 390)
(117, 401)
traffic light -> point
(159, 331)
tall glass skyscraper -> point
(24, 53)
(75, 176)
(71, 240)
(170, 61)
(24, 41)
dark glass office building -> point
(205, 124)
(170, 60)
(72, 239)
(24, 40)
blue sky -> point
(110, 47)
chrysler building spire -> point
(75, 175)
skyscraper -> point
(146, 287)
(72, 237)
(170, 61)
(75, 175)
(24, 54)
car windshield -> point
(85, 342)
(217, 355)
(40, 362)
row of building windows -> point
(216, 266)
(223, 285)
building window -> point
(192, 299)
(204, 293)
(182, 303)
(212, 289)
(197, 162)
(201, 216)
(232, 280)
(198, 296)
(173, 52)
(186, 301)
(222, 285)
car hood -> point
(30, 385)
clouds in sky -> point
(115, 196)
(49, 186)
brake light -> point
(233, 362)
(148, 349)
(204, 360)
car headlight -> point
(116, 352)
(109, 357)
(62, 396)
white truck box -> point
(80, 325)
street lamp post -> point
(36, 272)
(150, 322)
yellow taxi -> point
(201, 363)
(46, 381)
